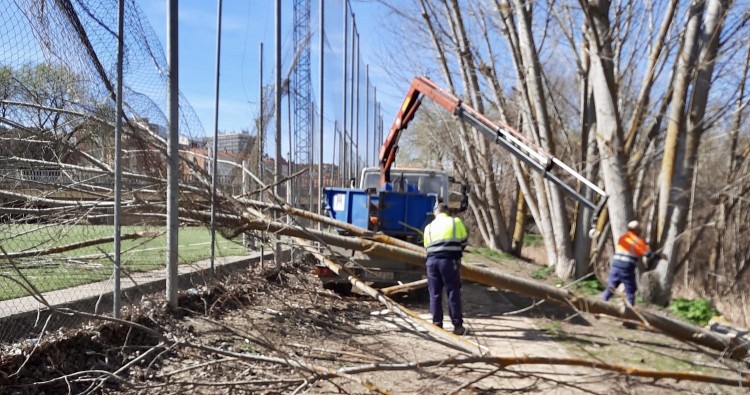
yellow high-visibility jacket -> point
(445, 237)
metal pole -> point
(343, 124)
(321, 162)
(350, 168)
(261, 146)
(277, 110)
(290, 196)
(214, 151)
(311, 163)
(245, 236)
(375, 142)
(380, 119)
(173, 159)
(357, 139)
(118, 159)
(367, 115)
(333, 156)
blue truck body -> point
(401, 209)
(398, 214)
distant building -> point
(145, 123)
(233, 142)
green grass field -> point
(89, 264)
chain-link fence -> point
(57, 125)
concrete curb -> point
(25, 317)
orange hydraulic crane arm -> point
(500, 133)
(419, 88)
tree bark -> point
(608, 131)
(687, 156)
(676, 119)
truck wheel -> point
(341, 289)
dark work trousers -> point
(444, 273)
(624, 275)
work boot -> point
(460, 331)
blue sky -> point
(248, 23)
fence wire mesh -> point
(57, 124)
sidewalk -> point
(25, 317)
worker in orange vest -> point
(628, 253)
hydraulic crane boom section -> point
(501, 134)
(412, 101)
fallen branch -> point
(742, 382)
(76, 246)
(401, 288)
(318, 371)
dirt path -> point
(502, 335)
(245, 335)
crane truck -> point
(399, 201)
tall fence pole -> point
(246, 240)
(118, 160)
(342, 150)
(173, 169)
(333, 156)
(215, 150)
(375, 142)
(277, 110)
(356, 122)
(261, 145)
(321, 162)
(350, 168)
(367, 115)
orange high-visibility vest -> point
(630, 247)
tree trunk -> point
(608, 131)
(676, 118)
(695, 126)
(583, 242)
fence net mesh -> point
(57, 127)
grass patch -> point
(490, 253)
(543, 273)
(533, 240)
(697, 311)
(90, 264)
(660, 362)
(553, 329)
(589, 287)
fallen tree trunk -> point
(403, 312)
(470, 272)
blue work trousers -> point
(621, 275)
(444, 273)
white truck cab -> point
(406, 179)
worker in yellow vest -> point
(445, 239)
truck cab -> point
(407, 179)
